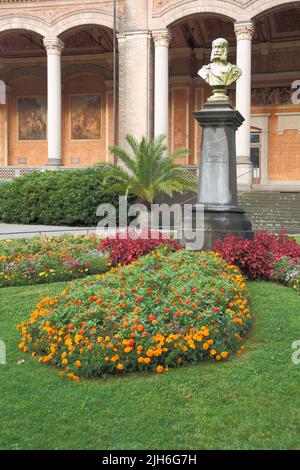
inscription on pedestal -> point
(217, 157)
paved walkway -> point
(8, 231)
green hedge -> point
(68, 197)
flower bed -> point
(49, 259)
(268, 257)
(287, 271)
(161, 311)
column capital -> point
(53, 45)
(162, 37)
(244, 30)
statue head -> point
(219, 51)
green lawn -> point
(297, 238)
(250, 402)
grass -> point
(250, 402)
(297, 238)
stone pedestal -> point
(217, 174)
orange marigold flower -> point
(224, 354)
(149, 353)
(120, 367)
(205, 346)
(159, 369)
(218, 357)
(78, 364)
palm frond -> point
(147, 170)
(129, 162)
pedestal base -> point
(217, 225)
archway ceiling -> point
(21, 44)
(88, 39)
(200, 30)
(84, 40)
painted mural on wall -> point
(32, 114)
(85, 117)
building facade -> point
(57, 87)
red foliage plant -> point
(128, 246)
(256, 257)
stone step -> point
(272, 209)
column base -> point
(244, 173)
(54, 162)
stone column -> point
(161, 82)
(54, 47)
(135, 85)
(4, 117)
(244, 33)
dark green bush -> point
(69, 197)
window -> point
(255, 154)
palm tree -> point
(147, 171)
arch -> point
(96, 17)
(74, 70)
(27, 22)
(178, 9)
(29, 71)
(263, 6)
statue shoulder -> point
(203, 72)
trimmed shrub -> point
(129, 246)
(162, 311)
(68, 197)
(256, 258)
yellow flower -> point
(120, 367)
(224, 354)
